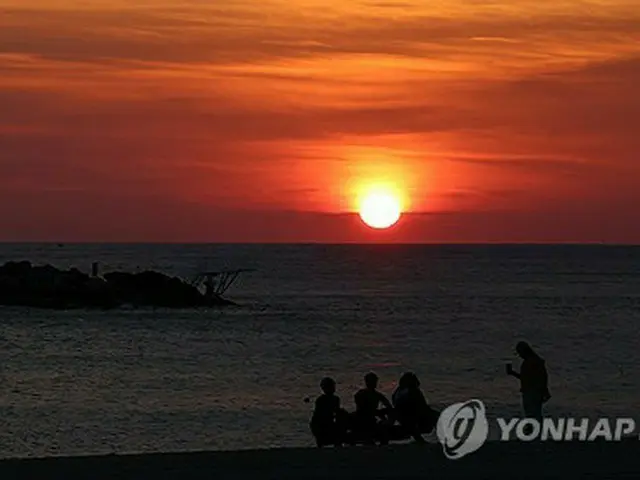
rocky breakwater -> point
(23, 284)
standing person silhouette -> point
(534, 381)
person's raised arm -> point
(512, 372)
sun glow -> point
(380, 209)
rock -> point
(154, 289)
(46, 286)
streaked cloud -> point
(260, 105)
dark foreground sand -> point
(607, 461)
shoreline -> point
(512, 460)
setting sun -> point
(380, 209)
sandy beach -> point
(496, 460)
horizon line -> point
(317, 243)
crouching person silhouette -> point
(329, 420)
(413, 412)
(371, 422)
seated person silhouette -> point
(371, 422)
(411, 409)
(329, 420)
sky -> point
(265, 120)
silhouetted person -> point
(411, 408)
(328, 422)
(533, 381)
(368, 416)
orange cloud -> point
(465, 106)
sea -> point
(155, 380)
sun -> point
(380, 209)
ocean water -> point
(86, 382)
